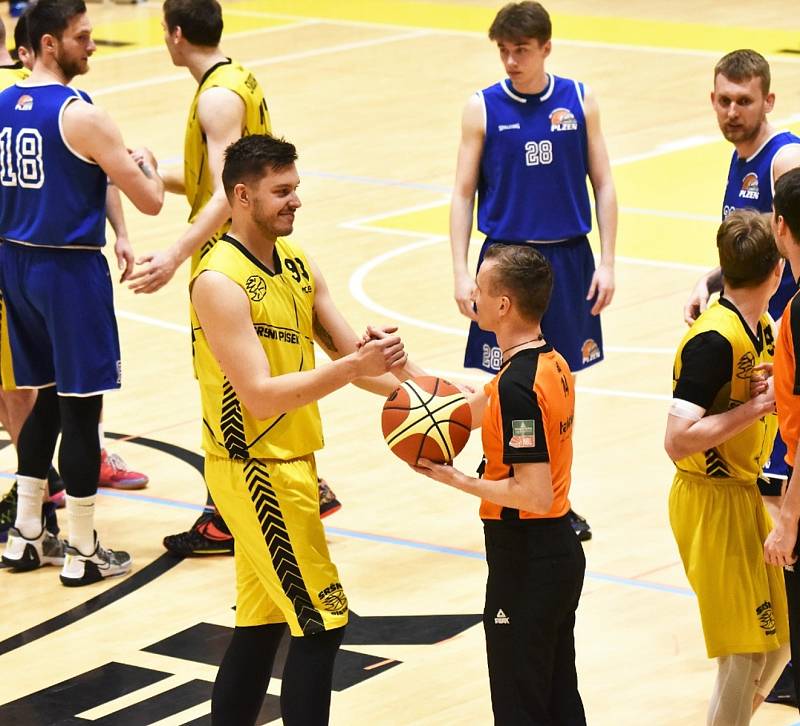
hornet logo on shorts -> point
(766, 620)
(333, 599)
(589, 351)
(562, 119)
(256, 287)
(24, 103)
(749, 188)
(745, 365)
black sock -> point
(244, 673)
(307, 678)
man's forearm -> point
(607, 213)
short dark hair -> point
(742, 65)
(50, 17)
(21, 38)
(786, 201)
(517, 22)
(747, 250)
(522, 273)
(200, 20)
(250, 157)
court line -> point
(124, 54)
(410, 543)
(315, 52)
(669, 50)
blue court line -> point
(425, 546)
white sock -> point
(30, 495)
(101, 435)
(80, 517)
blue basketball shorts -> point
(568, 324)
(61, 323)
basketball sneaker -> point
(328, 503)
(23, 554)
(80, 569)
(580, 526)
(8, 514)
(209, 535)
(114, 472)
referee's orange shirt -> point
(787, 378)
(528, 419)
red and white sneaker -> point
(114, 473)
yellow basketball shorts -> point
(720, 527)
(284, 572)
(7, 382)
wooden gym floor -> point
(371, 93)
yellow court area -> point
(371, 93)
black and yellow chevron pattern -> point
(231, 423)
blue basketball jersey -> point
(750, 181)
(49, 195)
(532, 183)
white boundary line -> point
(670, 50)
(173, 77)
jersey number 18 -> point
(21, 158)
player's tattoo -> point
(323, 336)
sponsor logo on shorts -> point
(749, 188)
(119, 372)
(507, 127)
(744, 367)
(523, 434)
(501, 618)
(333, 599)
(562, 119)
(256, 287)
(590, 351)
(24, 103)
(766, 620)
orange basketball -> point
(428, 418)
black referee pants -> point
(536, 570)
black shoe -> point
(328, 503)
(783, 691)
(8, 512)
(209, 535)
(580, 526)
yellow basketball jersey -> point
(743, 456)
(196, 173)
(281, 308)
(9, 75)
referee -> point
(536, 564)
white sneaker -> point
(80, 569)
(23, 554)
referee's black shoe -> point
(580, 526)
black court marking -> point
(160, 706)
(127, 585)
(58, 705)
(112, 43)
(796, 51)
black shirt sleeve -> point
(706, 366)
(523, 429)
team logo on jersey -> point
(256, 287)
(24, 103)
(523, 434)
(744, 368)
(562, 119)
(590, 351)
(333, 599)
(749, 188)
(766, 619)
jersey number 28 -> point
(21, 158)
(538, 152)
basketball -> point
(427, 418)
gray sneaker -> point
(80, 569)
(23, 554)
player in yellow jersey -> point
(258, 304)
(719, 434)
(227, 105)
